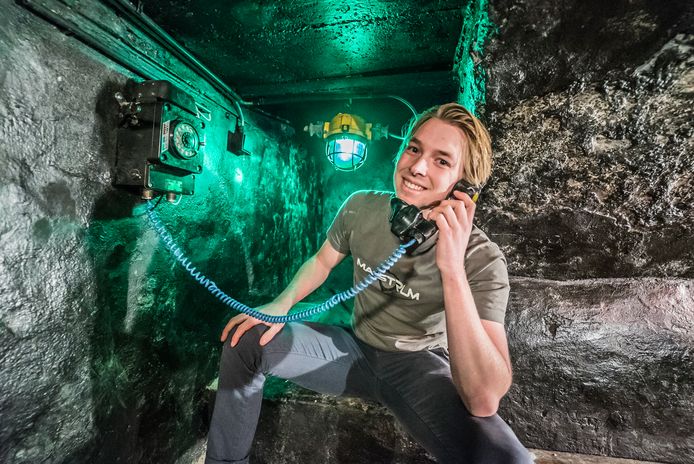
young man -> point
(428, 339)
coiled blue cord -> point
(238, 306)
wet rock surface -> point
(105, 342)
(328, 430)
(589, 106)
(603, 367)
(256, 45)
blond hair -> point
(477, 152)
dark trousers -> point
(415, 386)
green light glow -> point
(353, 40)
(238, 175)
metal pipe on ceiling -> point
(93, 33)
(165, 40)
(155, 31)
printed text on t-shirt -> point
(390, 283)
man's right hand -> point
(309, 277)
(245, 322)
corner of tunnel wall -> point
(477, 29)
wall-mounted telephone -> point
(160, 141)
(407, 221)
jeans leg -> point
(322, 358)
(237, 402)
(418, 389)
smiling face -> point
(431, 163)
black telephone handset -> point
(407, 221)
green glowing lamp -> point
(346, 137)
(346, 152)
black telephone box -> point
(160, 141)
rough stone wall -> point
(590, 107)
(596, 180)
(544, 46)
(603, 366)
(106, 344)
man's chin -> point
(406, 198)
(421, 201)
(418, 202)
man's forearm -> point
(480, 372)
(309, 277)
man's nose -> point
(419, 167)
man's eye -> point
(413, 149)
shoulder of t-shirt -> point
(367, 198)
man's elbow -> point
(484, 403)
(483, 407)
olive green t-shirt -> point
(403, 310)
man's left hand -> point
(454, 220)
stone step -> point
(556, 457)
(541, 457)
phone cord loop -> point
(176, 251)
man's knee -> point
(247, 350)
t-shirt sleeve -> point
(340, 230)
(490, 286)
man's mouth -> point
(412, 186)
